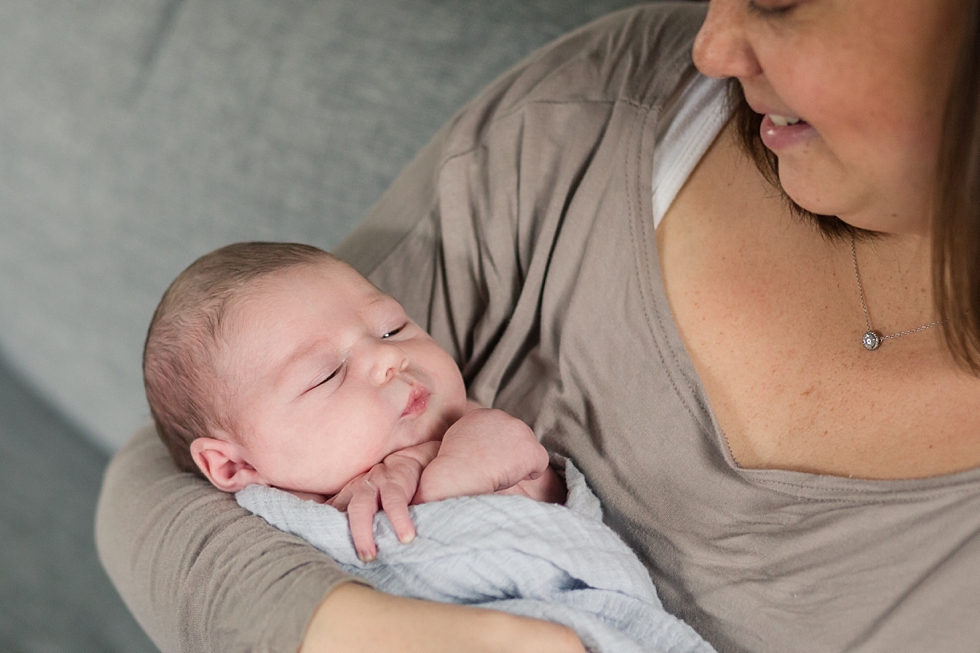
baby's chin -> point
(442, 422)
(431, 433)
(433, 421)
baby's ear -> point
(223, 463)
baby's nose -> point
(391, 360)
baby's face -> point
(328, 376)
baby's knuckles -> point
(403, 467)
(420, 453)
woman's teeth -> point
(782, 121)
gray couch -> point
(137, 135)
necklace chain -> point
(871, 340)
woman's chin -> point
(811, 204)
(863, 215)
(820, 199)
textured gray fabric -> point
(54, 597)
(135, 136)
(508, 553)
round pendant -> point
(871, 341)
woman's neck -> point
(896, 276)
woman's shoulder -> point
(637, 55)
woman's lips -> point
(418, 400)
(783, 135)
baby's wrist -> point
(549, 487)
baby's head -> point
(279, 364)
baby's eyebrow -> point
(385, 302)
(380, 299)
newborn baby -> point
(279, 373)
(278, 364)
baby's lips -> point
(418, 399)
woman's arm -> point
(358, 619)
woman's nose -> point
(389, 361)
(721, 48)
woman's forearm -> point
(358, 619)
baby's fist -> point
(485, 451)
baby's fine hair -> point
(182, 386)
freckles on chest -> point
(762, 323)
(796, 390)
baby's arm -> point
(483, 452)
(488, 451)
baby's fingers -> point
(360, 513)
(342, 499)
(395, 505)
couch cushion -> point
(54, 596)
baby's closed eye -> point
(329, 377)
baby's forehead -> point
(274, 298)
(328, 273)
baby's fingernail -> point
(407, 538)
(365, 556)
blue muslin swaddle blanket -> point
(509, 553)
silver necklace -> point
(872, 339)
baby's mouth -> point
(418, 401)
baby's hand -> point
(485, 451)
(389, 485)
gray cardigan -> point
(522, 238)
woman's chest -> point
(770, 314)
(787, 394)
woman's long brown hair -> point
(956, 229)
(956, 223)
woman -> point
(764, 399)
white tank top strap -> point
(691, 124)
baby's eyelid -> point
(393, 332)
(329, 377)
